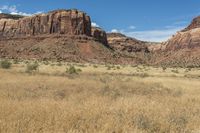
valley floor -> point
(100, 98)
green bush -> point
(72, 70)
(5, 64)
(32, 67)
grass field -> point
(99, 99)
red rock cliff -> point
(189, 38)
(72, 22)
(100, 35)
(195, 24)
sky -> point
(148, 20)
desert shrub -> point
(32, 67)
(188, 70)
(178, 122)
(109, 67)
(59, 64)
(118, 67)
(81, 65)
(144, 75)
(109, 91)
(26, 62)
(164, 68)
(52, 64)
(59, 95)
(15, 61)
(144, 123)
(5, 64)
(95, 66)
(141, 75)
(72, 70)
(46, 63)
(175, 71)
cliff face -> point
(189, 38)
(183, 49)
(72, 22)
(100, 35)
(184, 40)
(195, 24)
(59, 35)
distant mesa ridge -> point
(68, 35)
(10, 16)
(122, 43)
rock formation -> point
(67, 35)
(100, 35)
(183, 49)
(120, 42)
(189, 38)
(184, 40)
(195, 24)
(72, 22)
(63, 35)
(155, 46)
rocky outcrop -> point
(121, 43)
(184, 40)
(115, 35)
(72, 22)
(195, 24)
(155, 46)
(183, 49)
(100, 35)
(189, 38)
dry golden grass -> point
(99, 100)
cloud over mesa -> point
(158, 35)
(13, 10)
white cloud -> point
(38, 12)
(13, 10)
(115, 31)
(132, 27)
(20, 13)
(158, 35)
(95, 24)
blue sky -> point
(150, 20)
